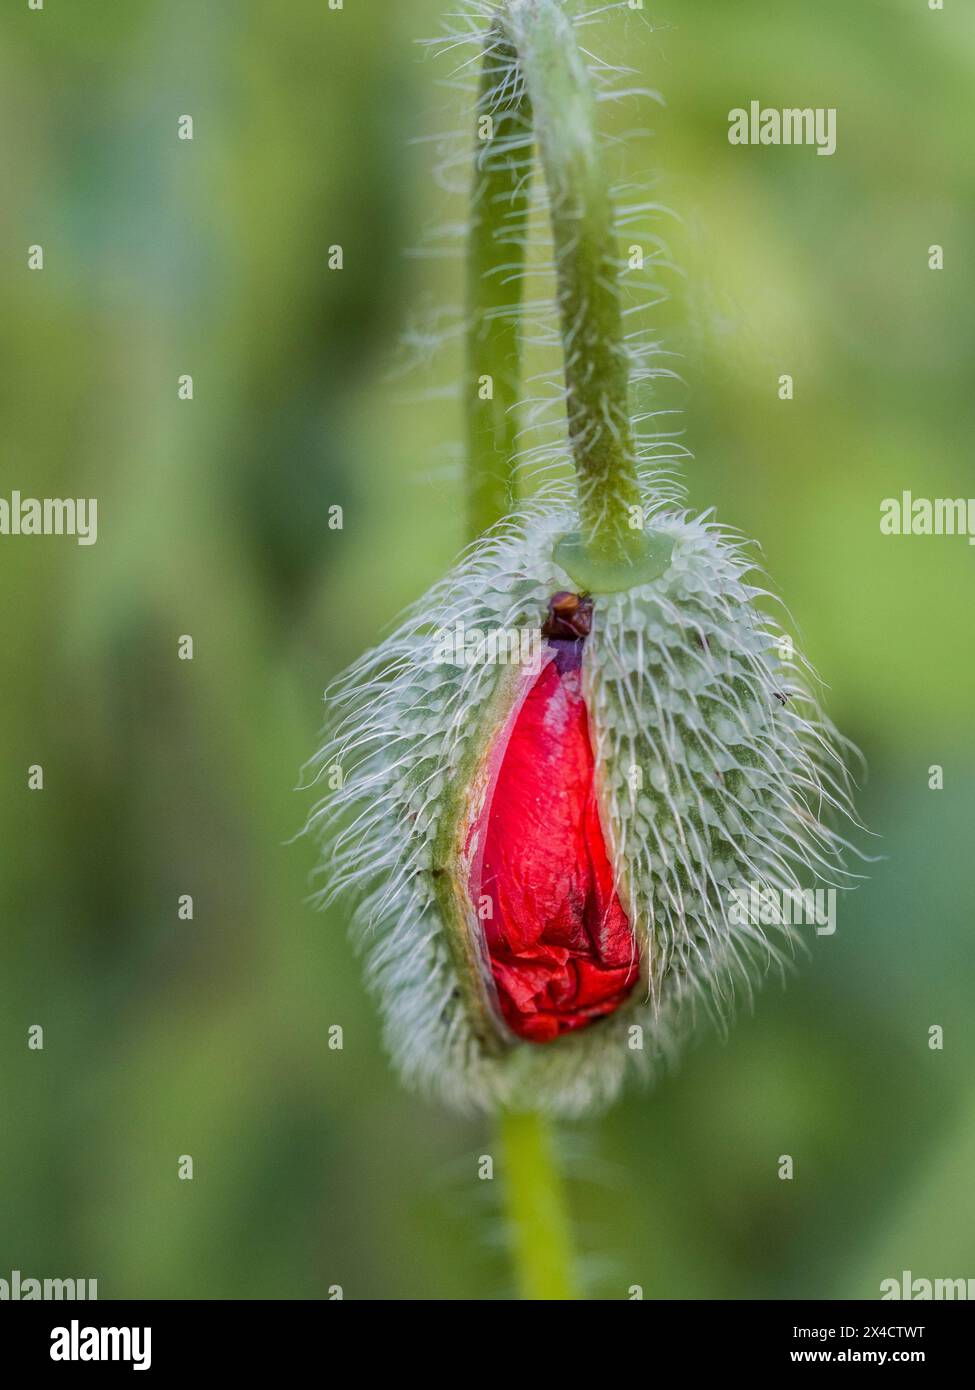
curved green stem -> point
(596, 364)
(536, 82)
(537, 1215)
(500, 197)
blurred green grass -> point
(312, 1167)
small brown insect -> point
(569, 616)
(782, 699)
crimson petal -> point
(561, 949)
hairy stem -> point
(537, 1215)
(500, 197)
(596, 365)
(536, 88)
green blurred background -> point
(162, 777)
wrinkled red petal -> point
(561, 950)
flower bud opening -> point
(561, 950)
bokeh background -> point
(162, 777)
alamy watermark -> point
(908, 515)
(50, 516)
(906, 1287)
(77, 1343)
(758, 904)
(793, 125)
(24, 1288)
(473, 646)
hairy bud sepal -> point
(711, 766)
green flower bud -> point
(712, 769)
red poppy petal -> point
(561, 949)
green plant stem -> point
(537, 1215)
(596, 364)
(500, 198)
(536, 85)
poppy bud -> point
(543, 851)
